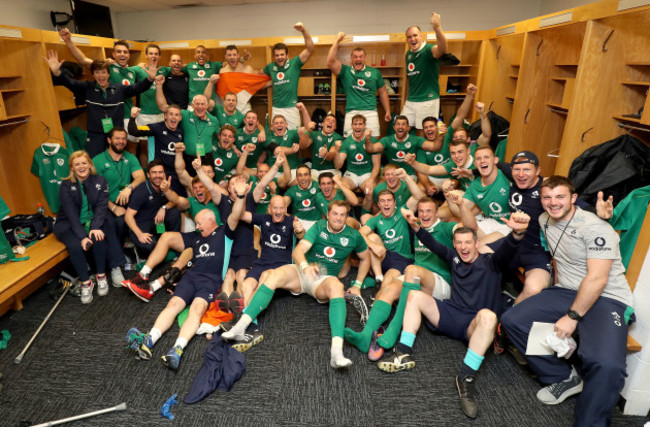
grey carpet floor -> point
(78, 364)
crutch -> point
(19, 358)
(120, 407)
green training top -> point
(196, 207)
(321, 140)
(360, 87)
(285, 82)
(493, 199)
(358, 160)
(401, 195)
(322, 203)
(126, 76)
(443, 232)
(199, 76)
(198, 130)
(303, 202)
(289, 138)
(394, 151)
(332, 249)
(118, 174)
(224, 162)
(393, 231)
(50, 165)
(242, 138)
(422, 70)
(236, 120)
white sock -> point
(337, 345)
(337, 359)
(155, 285)
(181, 342)
(241, 325)
(145, 272)
(155, 335)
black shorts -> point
(454, 320)
(242, 261)
(260, 267)
(396, 261)
(197, 285)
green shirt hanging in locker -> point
(50, 165)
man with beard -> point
(254, 177)
(318, 258)
(234, 64)
(435, 132)
(400, 184)
(321, 143)
(288, 141)
(332, 188)
(302, 198)
(149, 212)
(200, 71)
(123, 174)
(166, 134)
(285, 73)
(360, 83)
(224, 157)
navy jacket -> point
(100, 106)
(96, 190)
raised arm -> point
(435, 170)
(309, 43)
(160, 95)
(268, 177)
(285, 179)
(486, 128)
(209, 184)
(441, 41)
(462, 208)
(465, 107)
(339, 158)
(179, 165)
(241, 189)
(372, 147)
(416, 192)
(332, 61)
(209, 90)
(181, 202)
(78, 55)
(349, 194)
(383, 98)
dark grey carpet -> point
(78, 364)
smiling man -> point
(360, 83)
(285, 73)
(318, 259)
(422, 69)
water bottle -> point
(39, 209)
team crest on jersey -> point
(407, 145)
(150, 197)
(312, 191)
(275, 68)
(73, 188)
(306, 203)
(411, 66)
(345, 241)
(60, 162)
(254, 140)
(361, 82)
(285, 137)
(456, 260)
(229, 155)
(280, 75)
(400, 154)
(125, 82)
(275, 238)
(329, 251)
(535, 194)
(394, 145)
(502, 191)
(106, 165)
(367, 73)
(126, 161)
(218, 162)
(390, 233)
(194, 67)
(98, 186)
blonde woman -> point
(82, 224)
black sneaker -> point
(221, 301)
(172, 276)
(250, 339)
(395, 362)
(557, 393)
(236, 305)
(500, 340)
(466, 394)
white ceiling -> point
(140, 5)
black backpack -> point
(24, 229)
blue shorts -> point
(260, 267)
(197, 285)
(528, 257)
(396, 261)
(454, 320)
(243, 261)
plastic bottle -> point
(374, 59)
(40, 209)
(383, 59)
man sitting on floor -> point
(198, 286)
(318, 258)
(471, 314)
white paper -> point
(536, 345)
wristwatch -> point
(574, 315)
(241, 196)
(164, 207)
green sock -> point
(388, 339)
(338, 313)
(260, 301)
(378, 315)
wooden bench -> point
(18, 280)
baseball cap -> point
(525, 157)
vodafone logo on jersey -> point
(263, 196)
(204, 248)
(125, 82)
(280, 75)
(400, 154)
(306, 203)
(358, 157)
(329, 251)
(411, 66)
(390, 233)
(218, 162)
(275, 238)
(171, 146)
(201, 73)
(361, 82)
